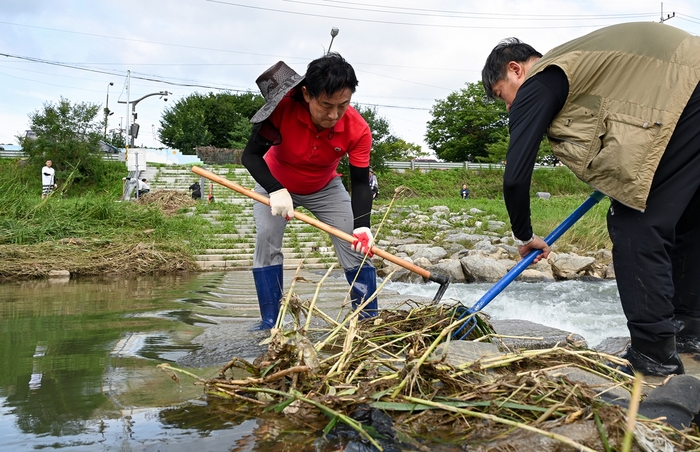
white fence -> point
(426, 166)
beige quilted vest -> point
(628, 85)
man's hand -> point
(536, 244)
(281, 204)
(363, 241)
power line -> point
(157, 80)
(144, 41)
(423, 12)
(413, 24)
(119, 74)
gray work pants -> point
(330, 205)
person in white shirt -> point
(48, 179)
(143, 187)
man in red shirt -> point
(299, 136)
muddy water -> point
(78, 357)
(78, 361)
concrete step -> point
(290, 264)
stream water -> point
(78, 357)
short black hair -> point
(496, 67)
(329, 74)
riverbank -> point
(91, 232)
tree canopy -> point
(466, 124)
(68, 134)
(220, 120)
(385, 145)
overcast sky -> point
(407, 53)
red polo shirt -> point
(306, 160)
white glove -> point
(363, 241)
(281, 204)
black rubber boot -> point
(658, 358)
(688, 338)
(678, 400)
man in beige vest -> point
(621, 108)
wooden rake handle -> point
(440, 279)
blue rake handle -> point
(514, 272)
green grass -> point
(91, 212)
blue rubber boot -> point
(365, 285)
(268, 285)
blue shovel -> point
(514, 272)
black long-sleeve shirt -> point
(537, 102)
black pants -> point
(657, 252)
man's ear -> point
(305, 93)
(516, 68)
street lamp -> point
(334, 33)
(134, 128)
(107, 112)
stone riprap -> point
(480, 253)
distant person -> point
(373, 184)
(48, 179)
(464, 193)
(196, 190)
(143, 187)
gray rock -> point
(532, 336)
(494, 225)
(613, 345)
(434, 254)
(464, 237)
(485, 246)
(59, 274)
(606, 389)
(603, 256)
(421, 261)
(478, 269)
(411, 249)
(507, 263)
(531, 275)
(570, 266)
(451, 268)
(543, 195)
(609, 272)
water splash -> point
(589, 308)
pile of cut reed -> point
(317, 376)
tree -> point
(69, 136)
(220, 120)
(385, 146)
(465, 124)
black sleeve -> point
(361, 196)
(258, 144)
(538, 101)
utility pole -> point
(107, 112)
(668, 16)
(128, 93)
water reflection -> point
(74, 355)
